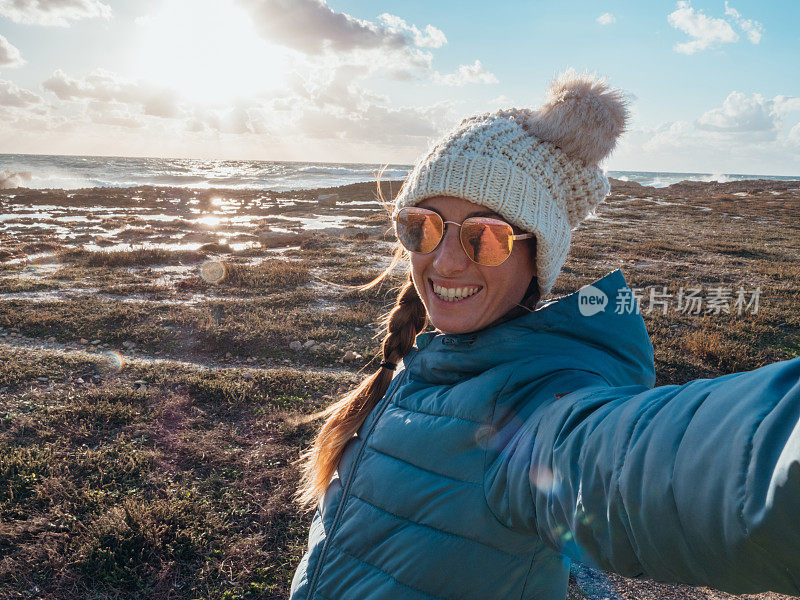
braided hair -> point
(343, 418)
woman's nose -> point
(450, 256)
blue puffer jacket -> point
(494, 456)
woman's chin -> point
(455, 319)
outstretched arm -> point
(698, 483)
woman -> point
(521, 433)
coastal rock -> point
(327, 199)
(280, 239)
(350, 356)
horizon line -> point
(382, 164)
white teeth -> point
(454, 294)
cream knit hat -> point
(538, 169)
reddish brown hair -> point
(344, 417)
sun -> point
(208, 50)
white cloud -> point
(794, 136)
(103, 86)
(669, 136)
(606, 19)
(474, 73)
(398, 49)
(100, 85)
(113, 113)
(746, 134)
(243, 118)
(680, 146)
(53, 12)
(785, 104)
(432, 38)
(752, 29)
(15, 96)
(706, 32)
(730, 11)
(9, 55)
(311, 26)
(337, 107)
(323, 107)
(744, 114)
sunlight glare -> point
(208, 50)
(209, 221)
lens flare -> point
(484, 435)
(212, 271)
(115, 361)
(543, 479)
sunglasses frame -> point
(513, 237)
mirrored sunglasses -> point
(486, 241)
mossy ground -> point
(157, 460)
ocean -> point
(74, 172)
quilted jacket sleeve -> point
(697, 483)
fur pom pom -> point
(582, 116)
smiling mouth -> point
(454, 294)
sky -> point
(713, 87)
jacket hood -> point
(597, 329)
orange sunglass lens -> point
(486, 241)
(419, 230)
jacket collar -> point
(597, 328)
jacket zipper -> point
(381, 408)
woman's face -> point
(499, 288)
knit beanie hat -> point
(538, 169)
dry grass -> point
(180, 488)
(172, 480)
(129, 258)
